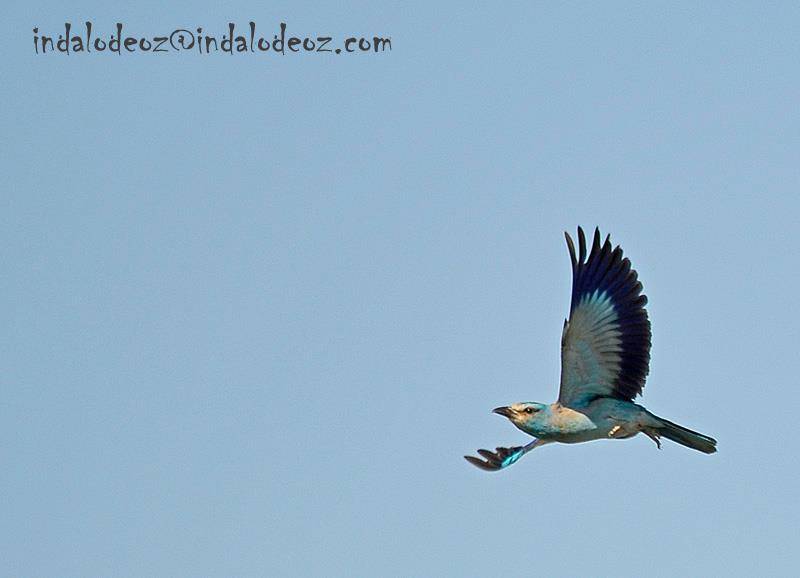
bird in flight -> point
(605, 359)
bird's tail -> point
(687, 437)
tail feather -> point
(687, 437)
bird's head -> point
(528, 416)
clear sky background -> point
(257, 308)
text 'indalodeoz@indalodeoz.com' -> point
(87, 39)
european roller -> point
(605, 359)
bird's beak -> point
(504, 411)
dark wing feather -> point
(605, 346)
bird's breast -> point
(568, 421)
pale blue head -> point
(530, 417)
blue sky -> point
(257, 308)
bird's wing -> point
(605, 346)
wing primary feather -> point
(613, 267)
(591, 262)
(571, 247)
(604, 263)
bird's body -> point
(558, 423)
(605, 355)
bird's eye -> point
(528, 410)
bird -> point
(605, 359)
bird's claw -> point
(496, 460)
(653, 436)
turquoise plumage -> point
(605, 359)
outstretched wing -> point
(502, 457)
(605, 346)
(496, 460)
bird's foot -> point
(614, 431)
(498, 459)
(653, 436)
